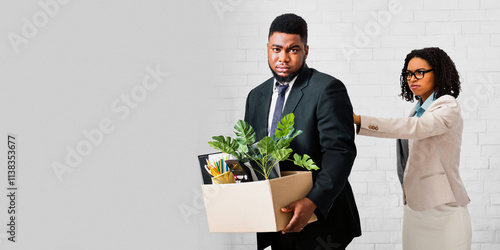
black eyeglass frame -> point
(407, 75)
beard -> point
(289, 77)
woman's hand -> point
(357, 119)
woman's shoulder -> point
(445, 99)
(447, 105)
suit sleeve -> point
(438, 119)
(336, 131)
(250, 114)
(247, 108)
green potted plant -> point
(268, 151)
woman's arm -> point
(438, 119)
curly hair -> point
(446, 78)
(290, 24)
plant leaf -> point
(266, 145)
(243, 148)
(305, 161)
(298, 132)
(281, 154)
(226, 145)
(285, 125)
(283, 143)
(244, 133)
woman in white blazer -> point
(435, 211)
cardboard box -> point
(255, 206)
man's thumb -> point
(287, 209)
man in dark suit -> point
(323, 112)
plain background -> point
(138, 188)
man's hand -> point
(302, 212)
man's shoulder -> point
(320, 76)
(320, 81)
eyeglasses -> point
(418, 74)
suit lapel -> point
(264, 103)
(296, 91)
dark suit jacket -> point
(402, 151)
(323, 112)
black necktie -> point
(279, 107)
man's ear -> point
(306, 49)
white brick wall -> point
(469, 30)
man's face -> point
(286, 53)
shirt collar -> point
(290, 84)
(427, 102)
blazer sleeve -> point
(336, 131)
(438, 119)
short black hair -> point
(290, 24)
(446, 78)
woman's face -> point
(421, 87)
